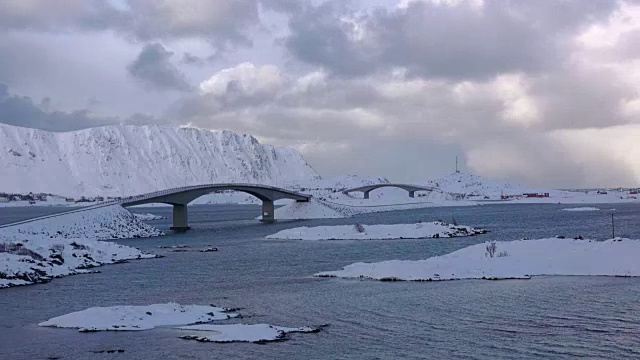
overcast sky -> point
(545, 92)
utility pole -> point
(613, 227)
(457, 171)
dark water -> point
(13, 214)
(545, 317)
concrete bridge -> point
(410, 188)
(180, 197)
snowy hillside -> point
(474, 185)
(127, 160)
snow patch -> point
(434, 229)
(519, 259)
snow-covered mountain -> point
(126, 160)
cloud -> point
(220, 22)
(441, 39)
(544, 92)
(23, 111)
(154, 69)
(513, 125)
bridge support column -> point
(366, 194)
(412, 194)
(267, 211)
(180, 222)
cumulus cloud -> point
(154, 69)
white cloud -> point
(246, 78)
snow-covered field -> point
(68, 244)
(188, 319)
(588, 208)
(434, 229)
(519, 259)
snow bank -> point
(377, 232)
(312, 209)
(68, 244)
(256, 333)
(582, 209)
(512, 260)
(136, 318)
(148, 216)
(119, 318)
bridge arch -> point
(179, 198)
(411, 189)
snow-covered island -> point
(579, 209)
(519, 259)
(191, 319)
(68, 244)
(130, 318)
(420, 230)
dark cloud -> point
(434, 40)
(319, 37)
(154, 69)
(190, 59)
(23, 111)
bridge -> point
(181, 197)
(410, 188)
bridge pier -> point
(366, 194)
(267, 211)
(412, 194)
(180, 221)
